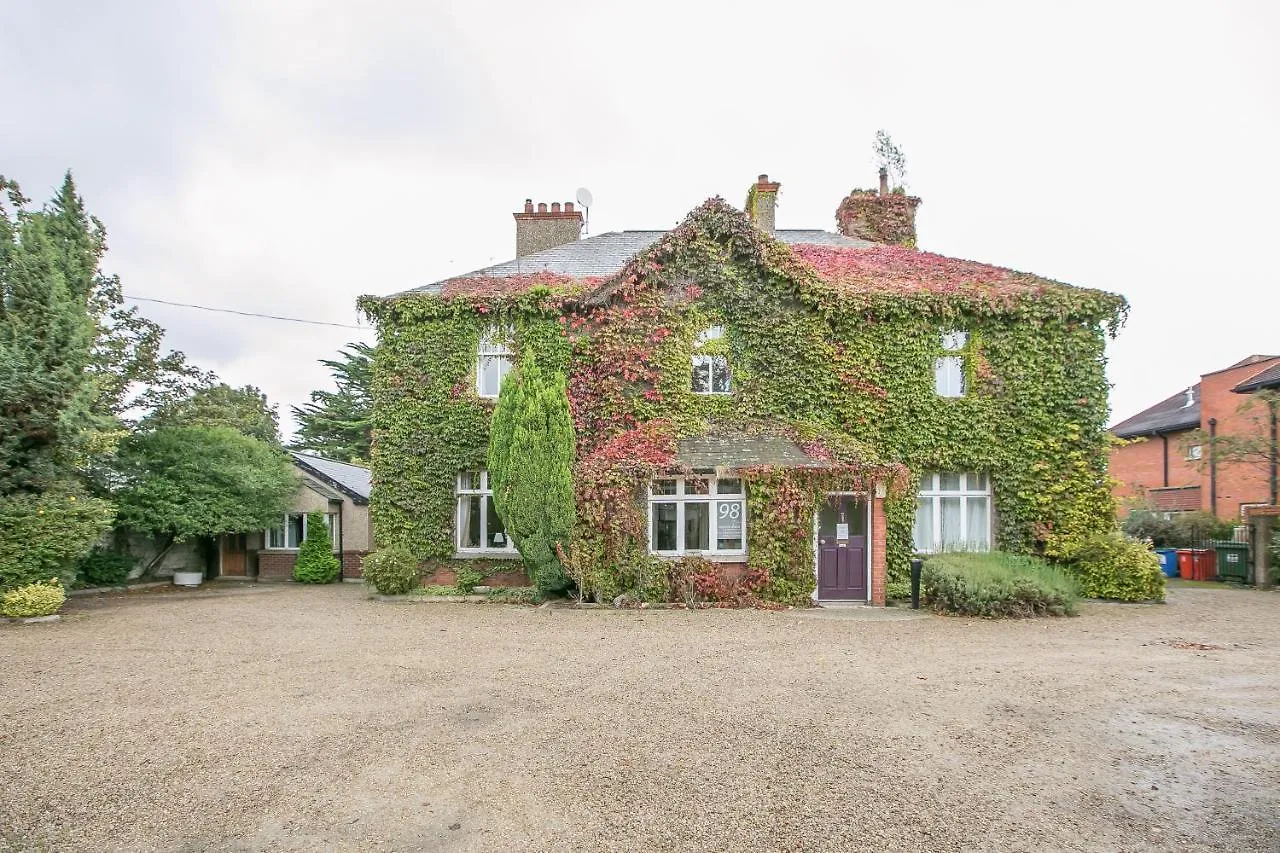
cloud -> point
(287, 157)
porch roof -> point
(742, 451)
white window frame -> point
(935, 493)
(1195, 452)
(495, 343)
(952, 342)
(485, 491)
(707, 362)
(713, 497)
(329, 519)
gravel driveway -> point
(286, 718)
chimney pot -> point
(528, 205)
(542, 207)
(568, 207)
(555, 207)
(764, 179)
(884, 181)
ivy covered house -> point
(780, 414)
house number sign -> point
(729, 521)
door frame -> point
(866, 496)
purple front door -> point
(842, 549)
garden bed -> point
(997, 585)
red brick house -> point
(1168, 465)
(339, 491)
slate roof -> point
(1168, 415)
(1269, 378)
(352, 480)
(740, 451)
(604, 254)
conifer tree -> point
(339, 424)
(531, 469)
(316, 561)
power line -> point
(246, 313)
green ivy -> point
(848, 372)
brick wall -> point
(1139, 467)
(1139, 470)
(1239, 483)
(351, 563)
(878, 543)
(276, 565)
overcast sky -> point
(288, 157)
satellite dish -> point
(584, 202)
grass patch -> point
(437, 589)
(997, 585)
(515, 595)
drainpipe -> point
(1213, 467)
(1275, 454)
(1165, 439)
(342, 568)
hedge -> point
(997, 585)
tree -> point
(243, 409)
(316, 562)
(531, 469)
(45, 340)
(339, 424)
(890, 157)
(187, 481)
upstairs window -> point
(697, 515)
(948, 370)
(493, 361)
(953, 513)
(710, 370)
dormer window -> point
(710, 369)
(493, 361)
(948, 370)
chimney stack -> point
(880, 217)
(762, 201)
(545, 229)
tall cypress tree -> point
(531, 469)
(339, 424)
(45, 340)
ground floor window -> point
(953, 513)
(288, 535)
(697, 515)
(480, 527)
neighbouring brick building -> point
(339, 491)
(1169, 465)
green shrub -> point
(43, 536)
(467, 579)
(897, 590)
(997, 585)
(391, 571)
(1191, 529)
(316, 561)
(1111, 565)
(1144, 524)
(515, 595)
(34, 599)
(104, 568)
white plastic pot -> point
(188, 578)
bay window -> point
(953, 513)
(479, 526)
(697, 514)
